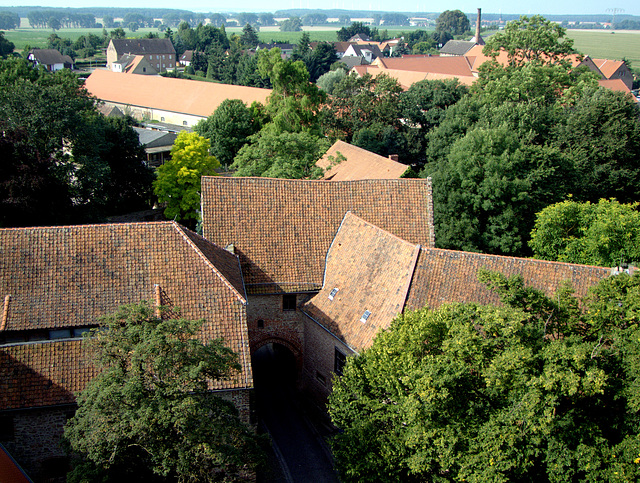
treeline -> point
(65, 19)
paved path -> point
(299, 449)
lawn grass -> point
(608, 45)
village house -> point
(134, 64)
(168, 100)
(50, 59)
(55, 283)
(346, 162)
(159, 52)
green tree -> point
(266, 19)
(178, 182)
(249, 37)
(289, 155)
(294, 101)
(54, 24)
(149, 412)
(6, 47)
(292, 24)
(454, 22)
(328, 81)
(531, 39)
(228, 129)
(606, 233)
(345, 33)
(9, 21)
(535, 390)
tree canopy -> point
(58, 136)
(179, 180)
(149, 412)
(534, 390)
(228, 129)
(606, 233)
(531, 39)
(454, 22)
(559, 133)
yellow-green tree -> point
(178, 183)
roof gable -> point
(371, 270)
(282, 229)
(359, 164)
(69, 276)
(198, 98)
(63, 277)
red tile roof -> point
(197, 98)
(374, 270)
(371, 270)
(450, 276)
(282, 229)
(43, 374)
(56, 277)
(608, 67)
(359, 164)
(617, 85)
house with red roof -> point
(55, 284)
(346, 162)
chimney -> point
(393, 157)
(478, 26)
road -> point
(297, 446)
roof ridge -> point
(180, 229)
(92, 225)
(553, 262)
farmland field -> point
(596, 44)
(608, 45)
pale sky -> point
(550, 7)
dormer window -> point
(365, 316)
(333, 293)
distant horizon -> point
(543, 7)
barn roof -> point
(358, 164)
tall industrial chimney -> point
(477, 39)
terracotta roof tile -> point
(617, 85)
(198, 98)
(282, 229)
(359, 164)
(376, 271)
(43, 374)
(608, 67)
(371, 270)
(69, 276)
(450, 276)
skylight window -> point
(365, 316)
(333, 293)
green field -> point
(608, 45)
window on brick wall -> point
(340, 359)
(260, 323)
(6, 428)
(289, 302)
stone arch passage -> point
(282, 356)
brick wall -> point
(36, 441)
(319, 359)
(268, 322)
(242, 400)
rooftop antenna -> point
(614, 12)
